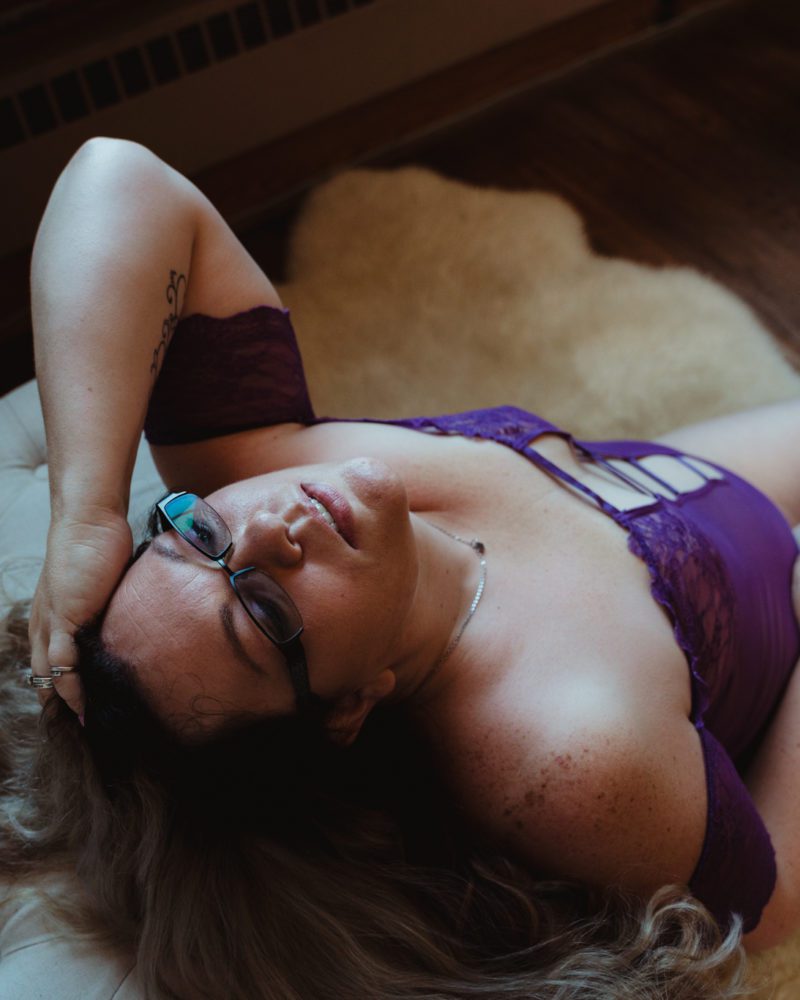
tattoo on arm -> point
(177, 284)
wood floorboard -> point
(680, 150)
(428, 106)
(704, 214)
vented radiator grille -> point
(102, 83)
(201, 82)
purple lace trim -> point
(225, 375)
(689, 581)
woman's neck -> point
(451, 581)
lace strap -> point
(538, 459)
(639, 487)
(652, 475)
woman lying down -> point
(452, 706)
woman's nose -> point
(263, 541)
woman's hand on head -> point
(86, 556)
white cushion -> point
(37, 962)
(25, 497)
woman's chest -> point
(590, 642)
(581, 605)
(574, 606)
(563, 581)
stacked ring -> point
(58, 671)
(35, 681)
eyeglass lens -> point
(199, 524)
(264, 599)
(269, 605)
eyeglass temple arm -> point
(298, 669)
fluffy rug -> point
(412, 293)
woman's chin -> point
(375, 483)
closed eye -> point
(203, 532)
(226, 617)
(270, 614)
(225, 613)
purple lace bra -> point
(720, 559)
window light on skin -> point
(377, 614)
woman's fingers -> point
(83, 565)
(68, 686)
(61, 659)
(54, 651)
(39, 637)
(61, 650)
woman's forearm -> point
(109, 272)
(773, 780)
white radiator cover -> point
(209, 116)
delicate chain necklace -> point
(479, 550)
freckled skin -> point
(559, 772)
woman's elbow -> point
(106, 146)
(112, 168)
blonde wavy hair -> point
(267, 864)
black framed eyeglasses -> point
(267, 604)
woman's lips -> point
(336, 505)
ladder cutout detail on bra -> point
(629, 484)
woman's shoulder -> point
(579, 779)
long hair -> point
(268, 864)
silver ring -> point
(58, 671)
(35, 681)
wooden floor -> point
(681, 149)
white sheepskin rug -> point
(415, 294)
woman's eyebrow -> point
(167, 551)
(226, 617)
(225, 612)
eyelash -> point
(153, 528)
(154, 523)
(274, 614)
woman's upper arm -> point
(760, 445)
(205, 466)
(224, 277)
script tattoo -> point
(177, 283)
